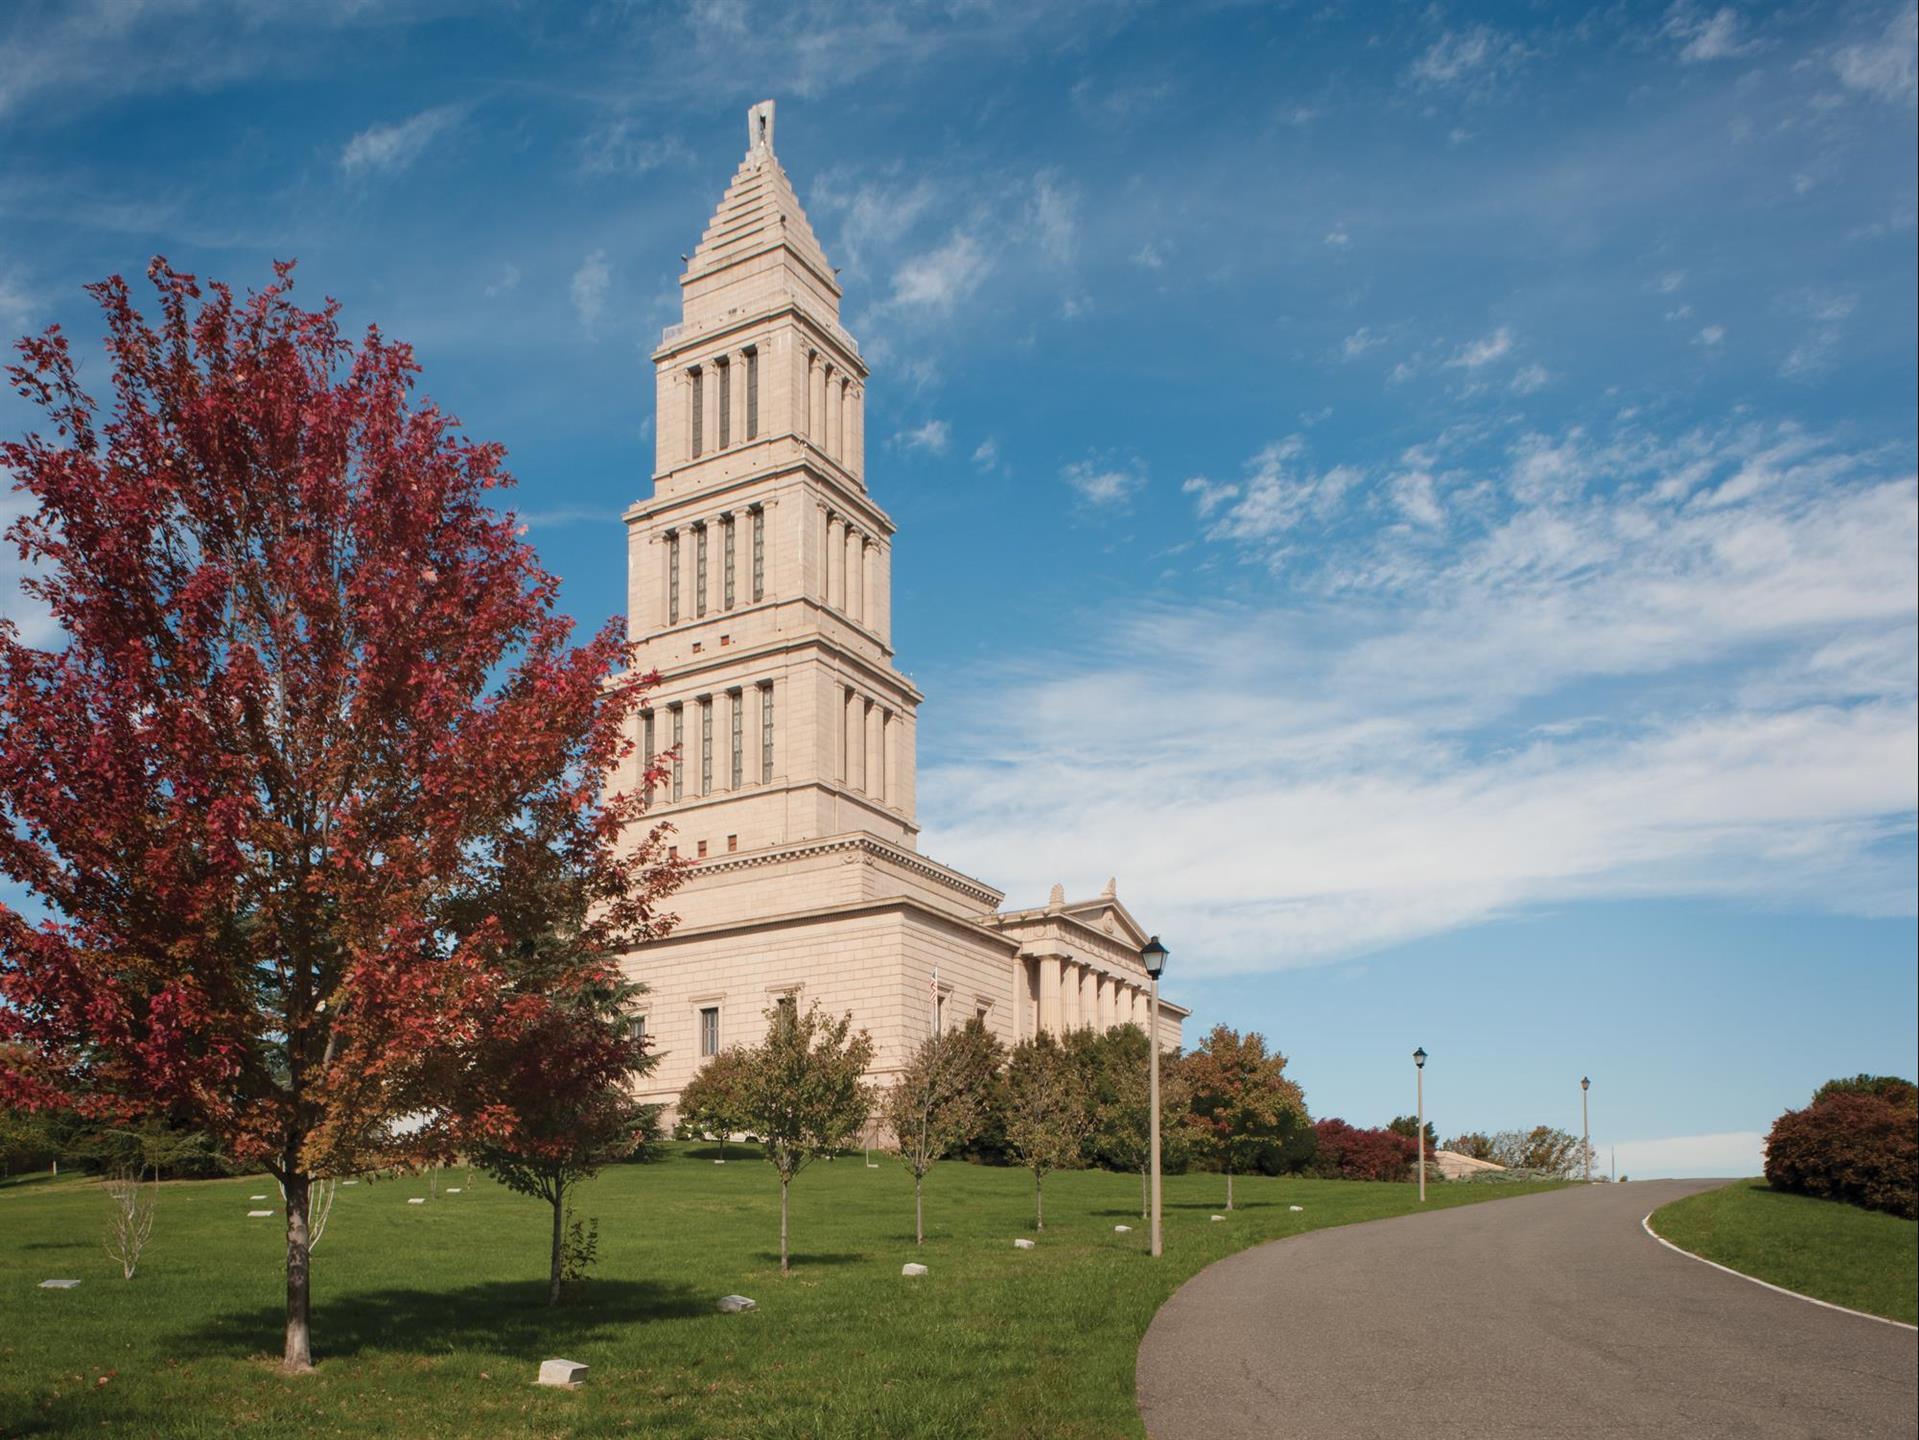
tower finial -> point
(759, 128)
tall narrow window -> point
(697, 392)
(736, 751)
(726, 547)
(759, 553)
(752, 394)
(723, 377)
(699, 569)
(679, 751)
(706, 746)
(710, 1030)
(636, 1029)
(673, 578)
(766, 734)
(647, 752)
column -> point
(869, 592)
(814, 392)
(856, 764)
(889, 773)
(855, 575)
(875, 752)
(857, 450)
(823, 534)
(883, 592)
(1088, 997)
(831, 428)
(835, 562)
(1103, 995)
(1049, 994)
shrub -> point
(1345, 1152)
(1860, 1148)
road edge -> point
(1646, 1225)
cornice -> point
(871, 844)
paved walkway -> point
(1546, 1315)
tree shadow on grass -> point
(508, 1317)
(824, 1257)
(1219, 1206)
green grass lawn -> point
(429, 1320)
(1824, 1248)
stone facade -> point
(759, 586)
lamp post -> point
(1153, 956)
(1419, 1131)
(1585, 1125)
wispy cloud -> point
(1884, 67)
(588, 289)
(389, 149)
(1104, 485)
(1467, 58)
(940, 279)
(933, 437)
(626, 146)
(1717, 36)
(1482, 352)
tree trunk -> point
(559, 1220)
(919, 1221)
(785, 1267)
(299, 1346)
(1039, 1201)
(1229, 1189)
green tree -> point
(1049, 1112)
(1243, 1104)
(713, 1104)
(1408, 1125)
(1117, 1063)
(1474, 1144)
(1884, 1087)
(1544, 1148)
(940, 1102)
(805, 1093)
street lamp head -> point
(1419, 1057)
(1585, 1083)
(1153, 956)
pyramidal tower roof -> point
(759, 213)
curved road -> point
(1544, 1315)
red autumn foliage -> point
(1860, 1148)
(1348, 1153)
(313, 709)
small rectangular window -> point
(673, 578)
(723, 377)
(647, 752)
(699, 569)
(788, 1006)
(766, 734)
(700, 853)
(752, 394)
(636, 1029)
(759, 553)
(736, 770)
(697, 390)
(732, 844)
(706, 747)
(710, 1031)
(726, 545)
(679, 751)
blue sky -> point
(1423, 494)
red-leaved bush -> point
(1348, 1153)
(1858, 1148)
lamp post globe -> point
(1153, 956)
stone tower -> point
(760, 570)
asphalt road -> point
(1545, 1315)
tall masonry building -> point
(760, 587)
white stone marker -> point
(58, 1284)
(1122, 1229)
(1216, 1217)
(349, 1182)
(417, 1200)
(454, 1191)
(1297, 1209)
(1022, 1244)
(912, 1269)
(735, 1304)
(258, 1214)
(256, 1197)
(719, 1162)
(567, 1374)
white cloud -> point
(933, 437)
(1483, 352)
(1730, 613)
(1103, 485)
(1670, 281)
(507, 281)
(1466, 58)
(1338, 238)
(1884, 67)
(1211, 493)
(1710, 335)
(1730, 1154)
(1716, 37)
(1529, 378)
(1055, 221)
(940, 279)
(1149, 256)
(389, 149)
(1359, 342)
(624, 146)
(986, 455)
(588, 289)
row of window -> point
(729, 568)
(723, 370)
(739, 703)
(709, 1025)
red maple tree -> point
(312, 698)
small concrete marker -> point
(735, 1305)
(58, 1284)
(719, 1162)
(1297, 1209)
(258, 1214)
(454, 1191)
(1122, 1229)
(1216, 1217)
(566, 1374)
(912, 1269)
(417, 1200)
(256, 1197)
(1022, 1244)
(349, 1182)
